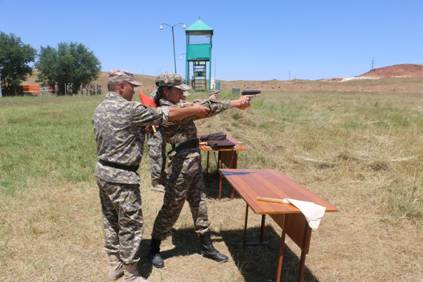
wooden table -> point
(226, 157)
(253, 183)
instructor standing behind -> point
(119, 132)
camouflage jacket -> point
(119, 132)
(176, 133)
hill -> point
(401, 70)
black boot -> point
(156, 258)
(208, 250)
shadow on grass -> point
(259, 262)
(256, 263)
(211, 180)
(182, 239)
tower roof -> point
(199, 25)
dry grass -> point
(361, 152)
(396, 86)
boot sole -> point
(157, 266)
(212, 258)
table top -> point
(253, 183)
(238, 145)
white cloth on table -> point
(312, 212)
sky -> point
(253, 40)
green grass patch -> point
(46, 137)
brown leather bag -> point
(217, 140)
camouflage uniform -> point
(157, 154)
(185, 178)
(118, 128)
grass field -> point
(363, 152)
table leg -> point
(303, 254)
(234, 160)
(234, 163)
(219, 165)
(301, 269)
(281, 253)
(207, 162)
(220, 185)
(263, 223)
(244, 240)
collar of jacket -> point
(164, 102)
(114, 95)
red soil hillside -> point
(402, 70)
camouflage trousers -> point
(157, 154)
(185, 182)
(122, 218)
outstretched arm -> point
(143, 116)
(216, 106)
(193, 111)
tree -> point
(70, 63)
(15, 59)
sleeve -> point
(215, 106)
(143, 116)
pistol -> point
(251, 93)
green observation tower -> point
(198, 55)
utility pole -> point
(173, 38)
(1, 69)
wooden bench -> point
(253, 183)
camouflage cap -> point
(119, 75)
(172, 80)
